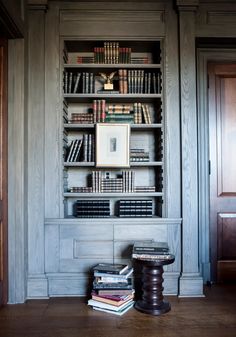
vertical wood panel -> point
(172, 117)
(189, 142)
(3, 174)
(226, 236)
(17, 190)
(53, 117)
(191, 283)
(52, 246)
(36, 136)
(226, 134)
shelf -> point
(76, 98)
(132, 164)
(113, 66)
(75, 126)
(108, 195)
(145, 138)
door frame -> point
(205, 55)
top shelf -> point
(113, 66)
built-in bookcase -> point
(136, 99)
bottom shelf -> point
(121, 208)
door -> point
(222, 150)
(3, 171)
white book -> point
(116, 277)
(119, 313)
(107, 306)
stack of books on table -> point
(112, 288)
(152, 250)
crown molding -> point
(38, 5)
(187, 5)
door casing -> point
(204, 56)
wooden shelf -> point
(113, 66)
(75, 98)
(109, 195)
(132, 164)
(133, 126)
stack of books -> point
(103, 182)
(81, 118)
(152, 250)
(139, 155)
(134, 208)
(91, 208)
(112, 288)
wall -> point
(49, 235)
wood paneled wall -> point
(36, 175)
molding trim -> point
(38, 7)
(187, 5)
(37, 286)
(191, 285)
(204, 55)
(112, 15)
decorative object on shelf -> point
(108, 85)
(112, 145)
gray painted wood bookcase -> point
(63, 248)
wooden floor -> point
(212, 316)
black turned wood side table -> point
(152, 301)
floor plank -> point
(211, 316)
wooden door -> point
(3, 171)
(222, 151)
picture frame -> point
(112, 145)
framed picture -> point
(112, 145)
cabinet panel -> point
(111, 23)
(73, 247)
(86, 231)
(132, 231)
(83, 246)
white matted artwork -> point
(112, 145)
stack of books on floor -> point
(152, 250)
(112, 288)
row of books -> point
(139, 82)
(113, 185)
(112, 288)
(124, 57)
(142, 114)
(112, 53)
(152, 250)
(113, 113)
(91, 208)
(132, 208)
(74, 83)
(81, 149)
(139, 155)
(130, 82)
(102, 182)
